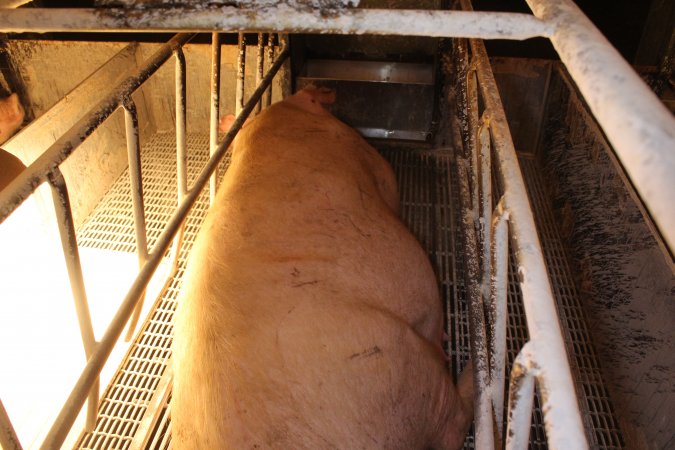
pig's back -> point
(303, 289)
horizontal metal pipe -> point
(562, 418)
(35, 174)
(279, 18)
(639, 127)
(75, 400)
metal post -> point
(73, 404)
(497, 311)
(64, 219)
(478, 338)
(267, 97)
(136, 178)
(484, 151)
(472, 114)
(241, 69)
(260, 62)
(8, 438)
(521, 398)
(215, 106)
(181, 145)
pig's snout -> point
(11, 116)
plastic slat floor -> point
(428, 195)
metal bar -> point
(27, 182)
(241, 70)
(639, 127)
(8, 438)
(561, 411)
(472, 118)
(484, 151)
(521, 399)
(64, 219)
(497, 311)
(479, 347)
(181, 145)
(260, 63)
(73, 404)
(281, 18)
(136, 182)
(267, 97)
(215, 107)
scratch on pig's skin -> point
(367, 353)
(304, 283)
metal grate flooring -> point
(599, 420)
(428, 193)
(111, 227)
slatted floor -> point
(428, 195)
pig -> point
(309, 315)
(11, 116)
(10, 168)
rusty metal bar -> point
(181, 147)
(267, 97)
(472, 119)
(64, 220)
(241, 70)
(74, 403)
(8, 438)
(478, 337)
(281, 18)
(136, 183)
(260, 63)
(521, 399)
(497, 311)
(215, 107)
(27, 182)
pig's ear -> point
(225, 123)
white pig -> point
(310, 316)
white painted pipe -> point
(280, 18)
(639, 127)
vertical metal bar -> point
(478, 338)
(260, 62)
(521, 398)
(181, 145)
(241, 69)
(8, 438)
(485, 159)
(134, 154)
(64, 219)
(498, 310)
(267, 96)
(472, 118)
(215, 107)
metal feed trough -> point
(639, 127)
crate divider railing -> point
(46, 168)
